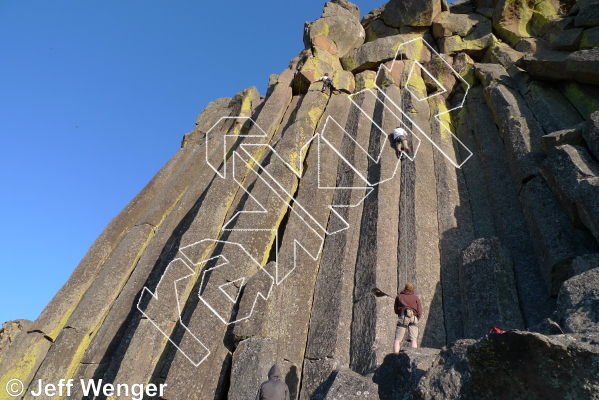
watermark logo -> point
(15, 388)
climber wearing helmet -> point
(274, 388)
(326, 82)
(408, 309)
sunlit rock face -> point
(282, 230)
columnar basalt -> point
(283, 228)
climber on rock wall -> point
(408, 309)
(274, 388)
(326, 82)
(400, 136)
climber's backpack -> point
(409, 312)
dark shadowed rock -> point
(549, 106)
(556, 241)
(568, 40)
(347, 384)
(590, 133)
(571, 136)
(461, 7)
(532, 45)
(584, 263)
(588, 16)
(563, 170)
(587, 203)
(547, 327)
(487, 282)
(399, 373)
(578, 302)
(556, 65)
(411, 12)
(590, 38)
(515, 365)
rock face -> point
(411, 12)
(283, 228)
(578, 302)
(487, 287)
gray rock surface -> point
(461, 7)
(588, 16)
(587, 203)
(568, 40)
(572, 136)
(590, 133)
(578, 303)
(346, 384)
(251, 362)
(563, 170)
(398, 13)
(515, 365)
(338, 30)
(590, 38)
(487, 282)
(556, 241)
(372, 54)
(556, 65)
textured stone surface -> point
(578, 302)
(571, 136)
(590, 38)
(563, 170)
(448, 24)
(532, 45)
(372, 54)
(556, 65)
(568, 40)
(399, 373)
(520, 130)
(509, 219)
(487, 286)
(522, 118)
(338, 30)
(479, 39)
(556, 241)
(590, 133)
(588, 16)
(518, 365)
(461, 7)
(411, 12)
(346, 384)
(587, 203)
(251, 362)
(501, 53)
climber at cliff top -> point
(400, 136)
(274, 388)
(326, 82)
(408, 309)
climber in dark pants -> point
(326, 82)
(274, 388)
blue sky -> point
(95, 97)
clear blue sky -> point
(95, 97)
